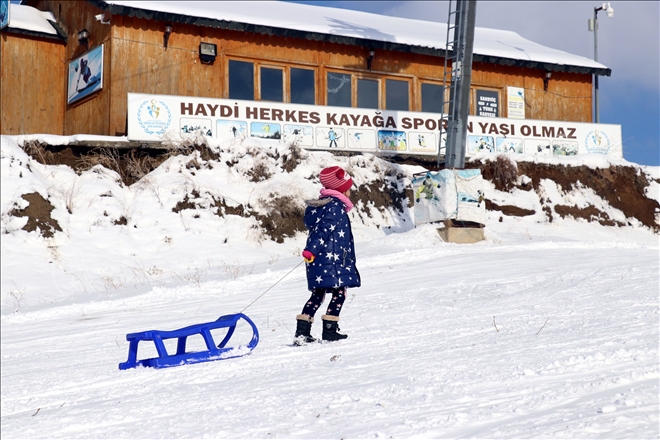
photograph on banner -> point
(423, 142)
(480, 144)
(564, 148)
(391, 140)
(85, 75)
(361, 139)
(515, 103)
(538, 146)
(509, 145)
(196, 126)
(265, 130)
(329, 137)
(4, 13)
(229, 129)
(302, 135)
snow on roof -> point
(31, 19)
(362, 25)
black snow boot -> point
(330, 328)
(303, 330)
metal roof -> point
(353, 28)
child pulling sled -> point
(329, 254)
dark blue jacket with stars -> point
(331, 241)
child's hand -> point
(308, 256)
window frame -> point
(409, 82)
(421, 93)
(258, 81)
(258, 64)
(379, 89)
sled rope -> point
(287, 274)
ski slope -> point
(540, 331)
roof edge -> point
(317, 36)
(59, 38)
(548, 67)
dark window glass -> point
(339, 89)
(432, 98)
(241, 80)
(396, 95)
(271, 85)
(367, 93)
(302, 86)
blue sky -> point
(628, 43)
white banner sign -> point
(159, 117)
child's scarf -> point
(336, 194)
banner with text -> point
(165, 117)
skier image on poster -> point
(427, 189)
(429, 195)
(85, 73)
(329, 255)
(333, 137)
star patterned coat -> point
(331, 241)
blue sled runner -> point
(213, 353)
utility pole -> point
(593, 26)
(461, 78)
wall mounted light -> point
(83, 38)
(166, 35)
(207, 52)
(546, 80)
(372, 55)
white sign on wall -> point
(159, 117)
(516, 102)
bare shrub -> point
(284, 217)
(293, 157)
(36, 150)
(503, 172)
(138, 166)
(259, 172)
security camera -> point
(101, 17)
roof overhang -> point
(131, 11)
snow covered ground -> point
(543, 330)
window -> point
(396, 95)
(432, 95)
(241, 80)
(339, 89)
(272, 85)
(367, 93)
(302, 85)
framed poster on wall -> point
(4, 13)
(516, 103)
(85, 75)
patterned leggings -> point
(317, 298)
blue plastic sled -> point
(213, 353)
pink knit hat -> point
(335, 178)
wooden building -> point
(154, 48)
